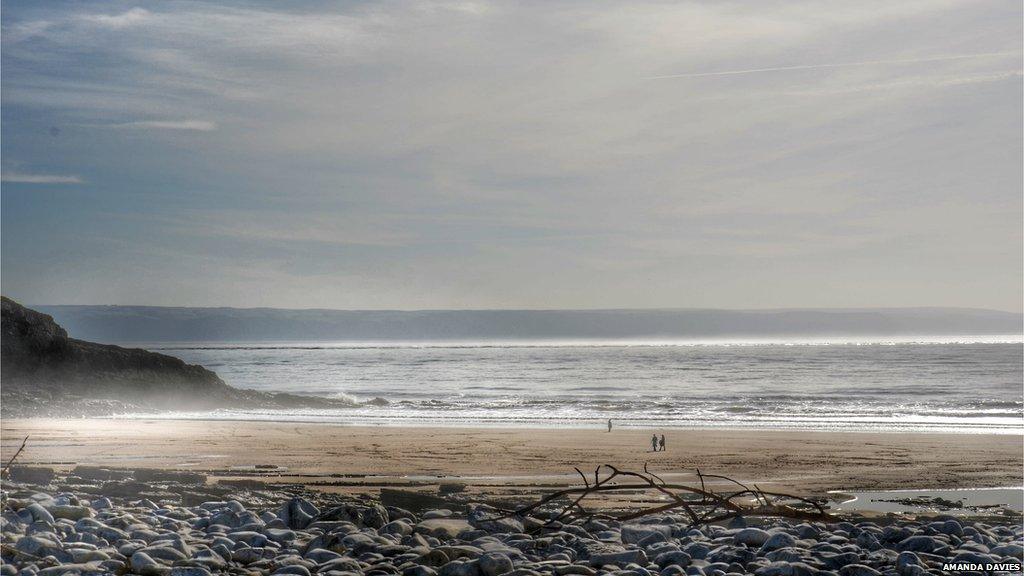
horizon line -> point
(609, 309)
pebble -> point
(776, 541)
(751, 537)
(302, 536)
(443, 528)
(494, 564)
(145, 565)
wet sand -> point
(807, 462)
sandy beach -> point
(808, 462)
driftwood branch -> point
(7, 467)
(701, 505)
(582, 475)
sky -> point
(536, 154)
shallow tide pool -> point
(964, 501)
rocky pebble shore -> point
(68, 533)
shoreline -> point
(87, 412)
(476, 423)
(593, 425)
(363, 459)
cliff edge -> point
(46, 373)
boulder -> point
(620, 559)
(142, 564)
(31, 474)
(443, 528)
(494, 564)
(673, 558)
(751, 537)
(460, 568)
(775, 569)
(297, 513)
(919, 544)
(634, 533)
(776, 541)
(189, 571)
(858, 570)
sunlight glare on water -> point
(942, 384)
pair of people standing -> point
(657, 444)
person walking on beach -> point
(654, 442)
(609, 424)
(661, 443)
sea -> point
(915, 384)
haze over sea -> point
(967, 384)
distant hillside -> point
(47, 373)
(159, 324)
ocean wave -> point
(488, 419)
(803, 386)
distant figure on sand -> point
(661, 443)
(609, 424)
(654, 442)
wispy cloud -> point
(195, 125)
(892, 62)
(23, 178)
(940, 82)
(461, 153)
(117, 21)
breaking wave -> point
(954, 384)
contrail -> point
(837, 65)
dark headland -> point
(47, 373)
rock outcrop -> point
(39, 361)
(45, 372)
